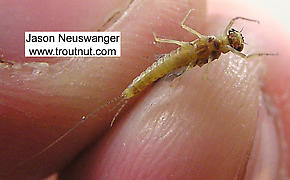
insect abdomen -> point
(168, 63)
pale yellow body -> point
(169, 62)
(188, 55)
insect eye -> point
(239, 48)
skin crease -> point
(193, 141)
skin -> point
(185, 128)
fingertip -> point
(183, 129)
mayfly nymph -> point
(201, 51)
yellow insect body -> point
(176, 59)
(195, 53)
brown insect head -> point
(236, 39)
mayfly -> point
(201, 51)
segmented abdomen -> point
(166, 64)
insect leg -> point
(229, 26)
(247, 56)
(180, 43)
(188, 28)
(205, 74)
(190, 65)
